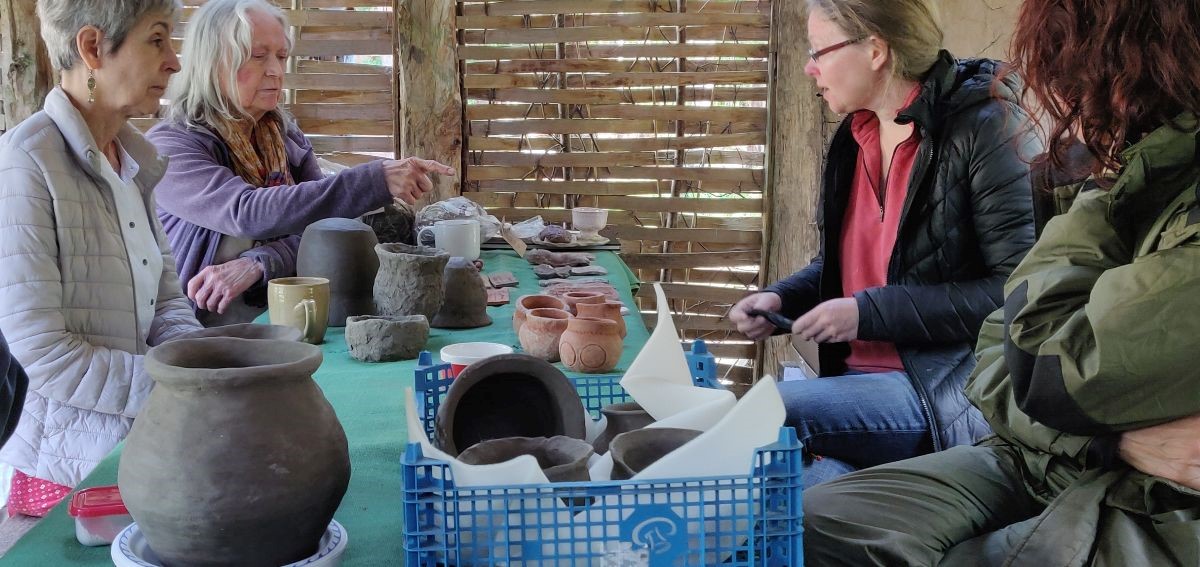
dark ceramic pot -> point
(343, 252)
(563, 459)
(409, 281)
(465, 303)
(633, 451)
(236, 458)
(508, 395)
(620, 418)
(252, 331)
(374, 338)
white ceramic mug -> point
(458, 237)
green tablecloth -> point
(368, 399)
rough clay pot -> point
(635, 450)
(563, 459)
(465, 303)
(374, 338)
(620, 418)
(590, 345)
(576, 297)
(541, 332)
(342, 251)
(538, 301)
(409, 281)
(508, 395)
(253, 331)
(237, 457)
(610, 310)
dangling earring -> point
(91, 84)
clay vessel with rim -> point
(542, 331)
(508, 395)
(635, 450)
(342, 251)
(236, 458)
(590, 345)
(409, 281)
(252, 331)
(620, 418)
(534, 301)
(563, 459)
(610, 310)
(465, 303)
(576, 297)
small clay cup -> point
(620, 418)
(542, 331)
(538, 301)
(590, 346)
(576, 297)
(635, 450)
(562, 458)
(610, 310)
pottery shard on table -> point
(558, 281)
(503, 279)
(544, 272)
(386, 339)
(589, 271)
(497, 297)
(558, 259)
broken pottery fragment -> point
(557, 259)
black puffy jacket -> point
(967, 222)
(13, 384)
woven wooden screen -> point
(654, 109)
(346, 109)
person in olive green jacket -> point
(1090, 374)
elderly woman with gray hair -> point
(243, 180)
(87, 281)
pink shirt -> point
(871, 224)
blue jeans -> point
(855, 421)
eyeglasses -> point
(815, 55)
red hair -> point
(1110, 71)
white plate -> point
(131, 550)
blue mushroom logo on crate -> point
(659, 530)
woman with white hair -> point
(87, 282)
(243, 181)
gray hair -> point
(217, 42)
(62, 20)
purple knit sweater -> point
(201, 199)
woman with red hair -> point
(1088, 374)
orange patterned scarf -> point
(259, 156)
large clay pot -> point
(541, 333)
(253, 331)
(343, 252)
(610, 310)
(539, 301)
(465, 303)
(563, 459)
(508, 395)
(590, 345)
(409, 281)
(635, 450)
(620, 418)
(576, 297)
(236, 458)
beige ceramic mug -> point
(301, 303)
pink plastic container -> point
(99, 514)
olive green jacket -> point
(1100, 334)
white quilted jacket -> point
(67, 293)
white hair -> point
(217, 42)
(61, 21)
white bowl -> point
(131, 550)
(464, 354)
(588, 221)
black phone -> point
(782, 323)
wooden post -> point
(798, 130)
(429, 118)
(25, 72)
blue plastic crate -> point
(742, 521)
